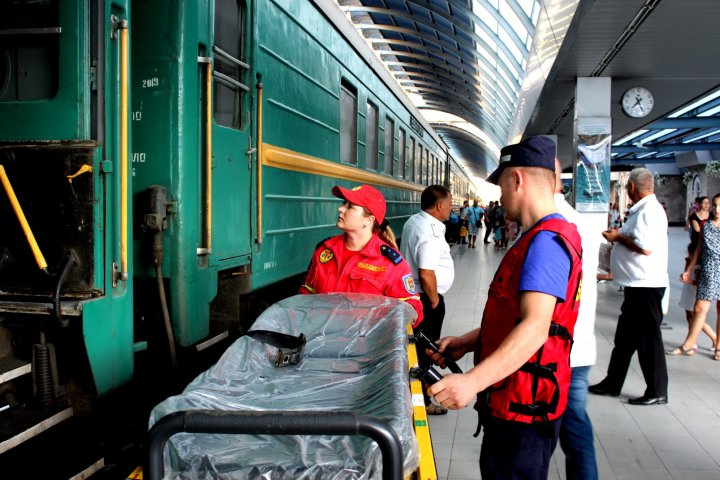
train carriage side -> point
(327, 119)
(170, 162)
(65, 269)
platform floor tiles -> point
(680, 440)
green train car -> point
(167, 168)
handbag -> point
(463, 231)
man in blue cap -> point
(521, 375)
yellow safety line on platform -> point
(427, 469)
(278, 157)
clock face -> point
(637, 102)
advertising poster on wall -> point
(591, 168)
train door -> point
(231, 137)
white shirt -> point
(647, 225)
(584, 350)
(423, 245)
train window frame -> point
(388, 164)
(372, 145)
(402, 154)
(229, 69)
(348, 131)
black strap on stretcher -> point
(290, 349)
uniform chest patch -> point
(409, 283)
(326, 255)
(372, 268)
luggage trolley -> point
(284, 406)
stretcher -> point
(345, 408)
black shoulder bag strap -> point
(290, 349)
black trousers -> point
(638, 329)
(517, 451)
(488, 231)
(430, 326)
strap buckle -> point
(290, 349)
(291, 356)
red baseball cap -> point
(365, 196)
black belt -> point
(290, 349)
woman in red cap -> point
(363, 259)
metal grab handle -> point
(124, 146)
(276, 423)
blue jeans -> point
(576, 433)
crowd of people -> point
(463, 226)
(536, 343)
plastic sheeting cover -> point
(355, 360)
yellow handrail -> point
(124, 151)
(259, 165)
(39, 258)
(208, 159)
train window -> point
(29, 50)
(418, 163)
(402, 154)
(426, 167)
(411, 164)
(371, 136)
(229, 69)
(433, 169)
(389, 145)
(348, 123)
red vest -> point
(539, 389)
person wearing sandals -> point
(639, 262)
(708, 284)
(474, 220)
(688, 295)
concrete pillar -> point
(592, 139)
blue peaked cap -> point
(532, 152)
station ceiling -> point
(486, 72)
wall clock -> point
(637, 102)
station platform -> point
(680, 440)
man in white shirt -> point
(639, 264)
(428, 254)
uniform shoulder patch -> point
(391, 254)
(326, 255)
(409, 283)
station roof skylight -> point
(463, 63)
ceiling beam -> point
(672, 147)
(685, 122)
